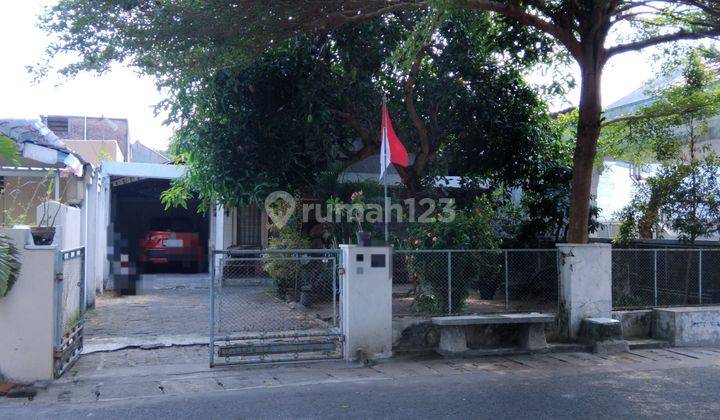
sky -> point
(122, 93)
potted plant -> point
(348, 214)
(44, 232)
(357, 199)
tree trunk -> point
(588, 132)
(410, 180)
(648, 220)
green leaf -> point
(8, 150)
(9, 265)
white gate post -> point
(367, 302)
(219, 236)
(585, 285)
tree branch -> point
(334, 20)
(369, 144)
(423, 156)
(518, 14)
(563, 111)
(669, 113)
(661, 39)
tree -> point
(313, 101)
(182, 39)
(684, 195)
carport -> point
(135, 210)
(167, 306)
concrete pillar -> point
(367, 302)
(219, 227)
(218, 236)
(585, 285)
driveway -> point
(168, 309)
(172, 309)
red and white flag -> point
(391, 149)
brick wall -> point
(98, 128)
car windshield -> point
(171, 224)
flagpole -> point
(387, 158)
(385, 185)
(387, 210)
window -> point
(248, 226)
(58, 125)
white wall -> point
(97, 265)
(88, 232)
(222, 235)
(27, 319)
(96, 246)
(67, 221)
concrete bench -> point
(694, 326)
(452, 329)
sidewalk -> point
(177, 371)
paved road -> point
(677, 383)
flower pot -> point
(43, 235)
(363, 238)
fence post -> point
(59, 289)
(585, 285)
(449, 265)
(334, 287)
(700, 277)
(83, 290)
(214, 261)
(655, 288)
(507, 288)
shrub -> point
(285, 273)
(470, 229)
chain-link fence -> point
(275, 302)
(69, 307)
(474, 281)
(665, 277)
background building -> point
(68, 127)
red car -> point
(171, 241)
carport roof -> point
(142, 170)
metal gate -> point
(69, 308)
(275, 306)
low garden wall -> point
(27, 314)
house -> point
(615, 182)
(117, 191)
(141, 153)
(47, 170)
(96, 151)
(98, 130)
